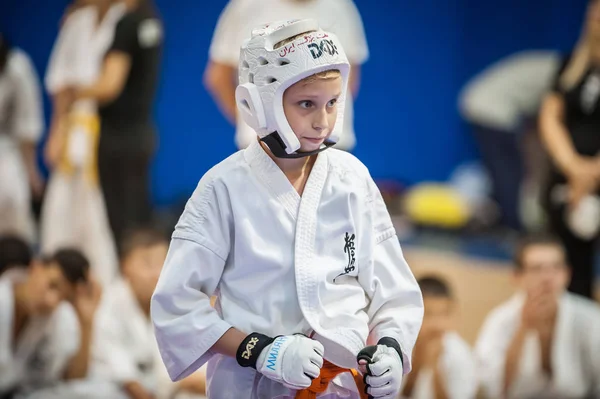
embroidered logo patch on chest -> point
(349, 250)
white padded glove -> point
(384, 371)
(292, 360)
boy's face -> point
(438, 315)
(311, 110)
(47, 288)
(142, 268)
(544, 268)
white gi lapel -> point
(6, 321)
(269, 174)
(567, 358)
(305, 237)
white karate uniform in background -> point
(74, 213)
(44, 348)
(457, 365)
(575, 352)
(125, 348)
(337, 16)
(328, 262)
(21, 120)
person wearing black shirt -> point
(570, 129)
(126, 93)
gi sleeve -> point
(185, 323)
(395, 308)
(64, 342)
(28, 116)
(112, 360)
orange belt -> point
(329, 372)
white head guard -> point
(265, 73)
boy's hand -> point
(86, 300)
(382, 366)
(292, 360)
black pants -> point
(580, 253)
(125, 182)
(501, 155)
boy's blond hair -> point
(324, 75)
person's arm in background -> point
(221, 80)
(117, 64)
(582, 172)
(86, 302)
(28, 119)
(220, 75)
(61, 103)
(109, 86)
(354, 80)
(58, 82)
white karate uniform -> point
(44, 347)
(124, 349)
(74, 213)
(240, 17)
(575, 352)
(271, 258)
(21, 120)
(457, 365)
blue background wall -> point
(407, 122)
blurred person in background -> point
(501, 104)
(543, 342)
(236, 23)
(125, 350)
(126, 91)
(15, 253)
(46, 321)
(570, 129)
(74, 213)
(21, 127)
(443, 364)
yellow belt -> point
(90, 125)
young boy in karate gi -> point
(295, 242)
(544, 342)
(443, 364)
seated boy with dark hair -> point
(43, 339)
(443, 365)
(14, 253)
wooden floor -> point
(478, 285)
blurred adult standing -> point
(126, 91)
(570, 128)
(73, 213)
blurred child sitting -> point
(543, 342)
(443, 365)
(43, 339)
(125, 351)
